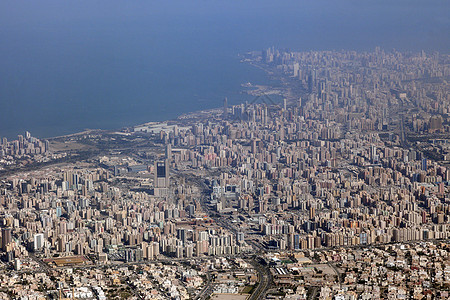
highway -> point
(337, 272)
(265, 278)
(207, 290)
(264, 275)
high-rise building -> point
(6, 238)
(312, 212)
(441, 189)
(161, 174)
(254, 146)
(225, 108)
(38, 242)
(296, 69)
(191, 210)
(435, 123)
(424, 164)
(181, 234)
(168, 152)
(17, 264)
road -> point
(264, 275)
(265, 278)
(314, 292)
(133, 290)
(207, 290)
(43, 266)
(338, 274)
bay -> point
(70, 65)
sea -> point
(66, 66)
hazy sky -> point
(349, 24)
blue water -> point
(70, 65)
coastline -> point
(247, 88)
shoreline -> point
(248, 88)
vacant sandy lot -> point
(68, 146)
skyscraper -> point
(225, 108)
(296, 69)
(161, 174)
(168, 152)
(424, 164)
(6, 238)
(38, 241)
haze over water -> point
(66, 66)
